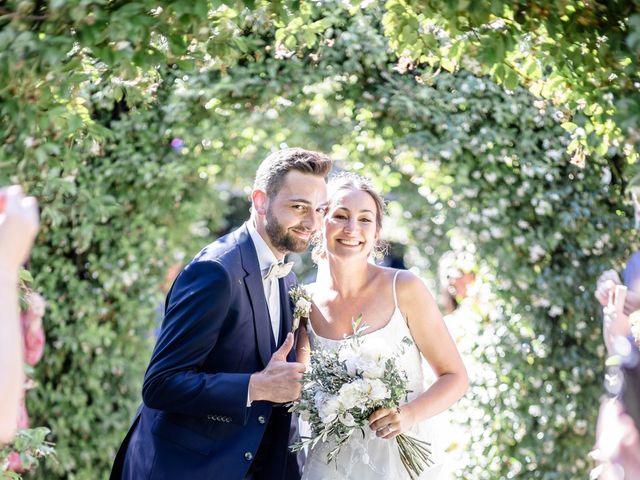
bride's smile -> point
(349, 243)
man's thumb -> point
(285, 348)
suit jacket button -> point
(248, 456)
(261, 419)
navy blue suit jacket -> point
(194, 422)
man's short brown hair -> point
(273, 169)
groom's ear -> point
(260, 201)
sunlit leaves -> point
(572, 52)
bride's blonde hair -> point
(352, 181)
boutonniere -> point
(302, 305)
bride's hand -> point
(390, 422)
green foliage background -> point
(90, 124)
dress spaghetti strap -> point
(395, 297)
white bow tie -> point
(278, 270)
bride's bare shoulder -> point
(404, 276)
(387, 273)
(407, 283)
(410, 287)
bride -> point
(394, 304)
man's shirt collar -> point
(265, 256)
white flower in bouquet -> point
(377, 390)
(374, 358)
(328, 410)
(347, 419)
(368, 360)
(373, 370)
(351, 360)
(350, 395)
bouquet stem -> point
(415, 454)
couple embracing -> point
(226, 362)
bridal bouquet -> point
(344, 386)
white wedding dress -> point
(372, 457)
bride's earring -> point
(377, 253)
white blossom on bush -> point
(536, 252)
(555, 311)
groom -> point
(224, 362)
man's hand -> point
(280, 381)
(606, 283)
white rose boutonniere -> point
(302, 305)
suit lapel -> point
(285, 307)
(286, 314)
(253, 282)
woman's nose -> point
(350, 225)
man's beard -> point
(281, 238)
